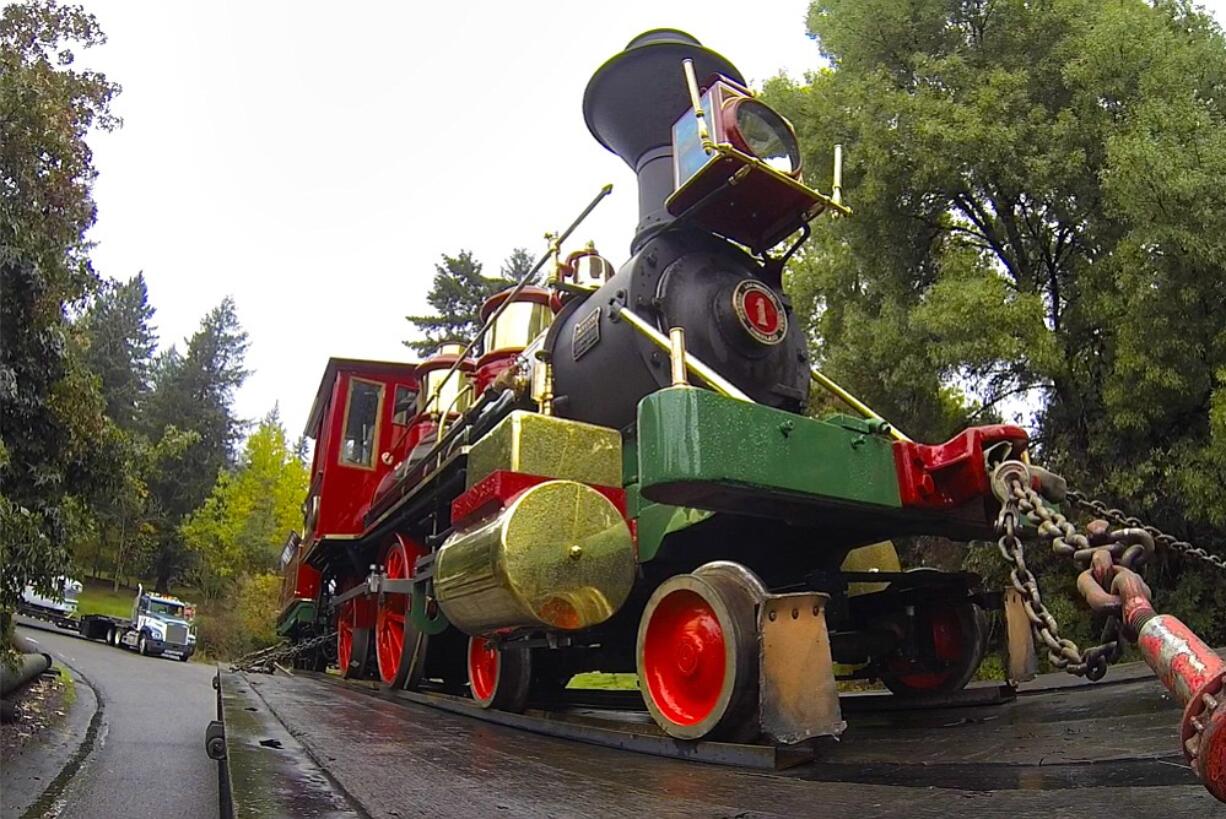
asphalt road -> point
(148, 759)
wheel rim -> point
(685, 658)
(390, 628)
(482, 669)
(948, 646)
(344, 635)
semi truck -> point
(160, 625)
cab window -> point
(406, 403)
(361, 429)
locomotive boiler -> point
(618, 475)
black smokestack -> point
(630, 106)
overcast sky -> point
(312, 160)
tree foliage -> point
(55, 442)
(241, 527)
(120, 344)
(456, 294)
(1040, 195)
(194, 391)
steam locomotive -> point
(618, 475)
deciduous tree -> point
(54, 441)
(1039, 192)
(242, 526)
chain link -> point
(263, 660)
(1120, 518)
(1129, 547)
(1062, 652)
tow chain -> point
(1120, 518)
(1097, 552)
(264, 660)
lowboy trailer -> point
(311, 743)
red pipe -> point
(1191, 671)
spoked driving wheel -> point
(498, 678)
(957, 638)
(399, 647)
(697, 653)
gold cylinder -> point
(676, 354)
(517, 326)
(443, 390)
(590, 270)
(560, 557)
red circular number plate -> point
(760, 312)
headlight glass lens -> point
(767, 135)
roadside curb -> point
(32, 782)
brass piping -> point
(855, 403)
(715, 380)
(546, 400)
(691, 84)
(442, 421)
(676, 356)
(836, 192)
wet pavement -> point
(147, 757)
(1106, 749)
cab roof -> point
(360, 366)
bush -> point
(236, 625)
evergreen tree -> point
(457, 293)
(120, 347)
(516, 265)
(194, 393)
(55, 443)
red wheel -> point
(498, 678)
(958, 642)
(697, 656)
(344, 635)
(353, 626)
(397, 642)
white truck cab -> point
(161, 624)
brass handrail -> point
(855, 403)
(717, 382)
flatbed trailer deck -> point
(314, 745)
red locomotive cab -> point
(527, 316)
(360, 417)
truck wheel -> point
(143, 647)
(110, 636)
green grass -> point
(70, 685)
(599, 679)
(99, 597)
